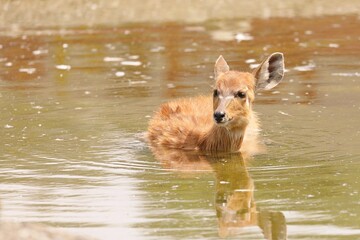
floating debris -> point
(251, 60)
(157, 49)
(334, 45)
(63, 67)
(119, 74)
(355, 74)
(305, 68)
(137, 82)
(243, 37)
(134, 57)
(113, 59)
(284, 113)
(170, 85)
(40, 51)
(27, 70)
(131, 63)
(254, 65)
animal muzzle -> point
(219, 117)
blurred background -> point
(72, 13)
(79, 81)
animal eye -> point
(216, 93)
(240, 94)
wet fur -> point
(188, 123)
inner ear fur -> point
(270, 72)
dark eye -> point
(216, 93)
(240, 94)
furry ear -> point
(270, 72)
(221, 66)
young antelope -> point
(223, 122)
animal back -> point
(180, 123)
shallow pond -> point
(75, 105)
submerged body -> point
(188, 124)
(224, 122)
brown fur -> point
(224, 122)
(188, 123)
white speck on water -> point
(284, 113)
(40, 125)
(63, 67)
(170, 85)
(254, 65)
(8, 64)
(147, 116)
(134, 57)
(37, 107)
(137, 82)
(355, 74)
(243, 37)
(119, 74)
(308, 32)
(8, 126)
(59, 139)
(174, 187)
(242, 190)
(334, 45)
(310, 196)
(65, 45)
(157, 49)
(27, 70)
(131, 63)
(224, 182)
(87, 92)
(251, 60)
(40, 51)
(305, 68)
(284, 99)
(113, 59)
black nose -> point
(219, 116)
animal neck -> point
(222, 139)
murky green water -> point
(74, 106)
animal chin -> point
(224, 122)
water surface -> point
(75, 104)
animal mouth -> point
(223, 122)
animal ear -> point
(270, 72)
(221, 66)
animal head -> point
(235, 91)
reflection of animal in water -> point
(223, 122)
(234, 193)
(235, 204)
